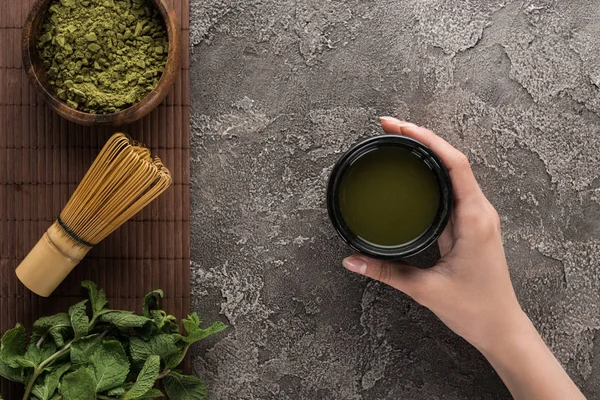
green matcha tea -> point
(103, 56)
(389, 196)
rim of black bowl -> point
(419, 244)
(125, 116)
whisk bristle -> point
(123, 179)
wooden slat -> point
(43, 157)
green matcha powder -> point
(103, 56)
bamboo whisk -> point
(122, 180)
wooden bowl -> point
(37, 73)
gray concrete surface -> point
(282, 87)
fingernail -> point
(355, 264)
(396, 121)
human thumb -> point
(405, 278)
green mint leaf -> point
(159, 317)
(124, 320)
(151, 301)
(116, 392)
(83, 348)
(162, 322)
(78, 385)
(79, 319)
(191, 324)
(36, 355)
(45, 389)
(204, 333)
(145, 380)
(41, 391)
(10, 373)
(110, 365)
(58, 327)
(97, 296)
(161, 345)
(171, 325)
(151, 394)
(12, 346)
(172, 361)
(184, 387)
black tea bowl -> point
(423, 243)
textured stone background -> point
(282, 87)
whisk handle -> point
(49, 262)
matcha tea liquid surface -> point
(389, 196)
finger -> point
(391, 125)
(464, 184)
(407, 279)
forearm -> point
(528, 367)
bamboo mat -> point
(42, 159)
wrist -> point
(515, 330)
(526, 364)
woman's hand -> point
(470, 288)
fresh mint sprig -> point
(102, 353)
